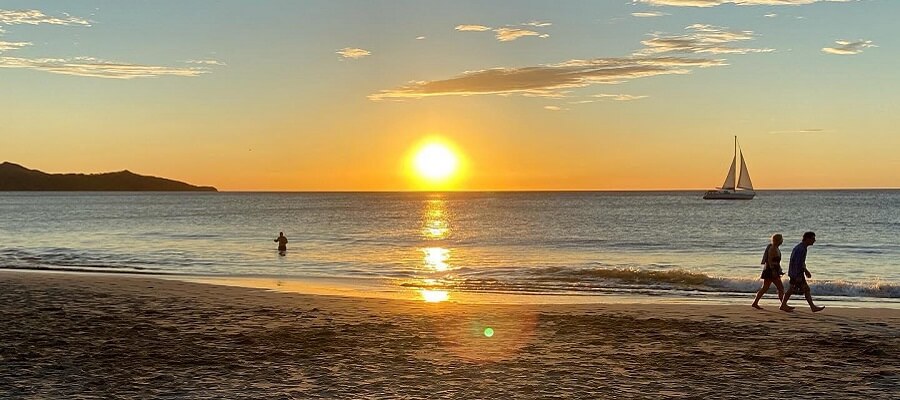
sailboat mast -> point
(736, 176)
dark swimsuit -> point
(771, 272)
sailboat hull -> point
(729, 195)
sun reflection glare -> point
(436, 224)
(436, 258)
(434, 296)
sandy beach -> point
(99, 336)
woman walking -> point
(772, 272)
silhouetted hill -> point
(14, 177)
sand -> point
(80, 336)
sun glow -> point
(435, 163)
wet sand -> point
(96, 336)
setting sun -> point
(435, 162)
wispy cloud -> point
(92, 67)
(537, 24)
(353, 53)
(508, 33)
(472, 28)
(619, 97)
(713, 3)
(35, 17)
(812, 130)
(7, 46)
(700, 39)
(547, 80)
(649, 14)
(82, 66)
(846, 47)
(206, 62)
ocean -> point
(576, 245)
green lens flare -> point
(488, 332)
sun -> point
(435, 162)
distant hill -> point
(14, 177)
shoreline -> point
(364, 288)
(70, 335)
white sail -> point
(729, 180)
(744, 182)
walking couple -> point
(796, 271)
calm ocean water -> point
(586, 243)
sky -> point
(530, 95)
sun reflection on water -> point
(434, 296)
(436, 258)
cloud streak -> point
(700, 39)
(713, 3)
(508, 33)
(353, 53)
(619, 97)
(549, 80)
(649, 14)
(811, 130)
(35, 17)
(846, 47)
(82, 66)
(206, 62)
(97, 68)
(472, 28)
(8, 46)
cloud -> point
(82, 66)
(713, 3)
(206, 62)
(35, 17)
(701, 39)
(353, 53)
(547, 80)
(510, 34)
(472, 28)
(619, 97)
(507, 34)
(846, 47)
(7, 46)
(92, 67)
(812, 130)
(649, 14)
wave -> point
(636, 280)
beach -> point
(68, 335)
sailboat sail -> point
(729, 180)
(728, 190)
(744, 182)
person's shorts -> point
(799, 284)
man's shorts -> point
(799, 284)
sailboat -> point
(728, 191)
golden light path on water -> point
(436, 259)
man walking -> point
(798, 273)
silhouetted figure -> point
(282, 242)
(798, 273)
(772, 271)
